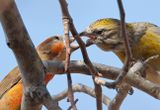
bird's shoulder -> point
(144, 29)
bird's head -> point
(105, 33)
(51, 48)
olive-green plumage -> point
(144, 41)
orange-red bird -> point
(11, 87)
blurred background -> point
(42, 19)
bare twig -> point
(68, 53)
(124, 34)
(67, 41)
(73, 105)
(75, 47)
(128, 52)
(81, 88)
(35, 92)
(117, 101)
(120, 96)
(151, 58)
(93, 71)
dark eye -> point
(99, 31)
(56, 37)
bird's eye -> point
(99, 32)
(56, 37)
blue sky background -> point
(43, 18)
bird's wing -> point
(150, 42)
(150, 46)
(154, 32)
(155, 29)
(9, 81)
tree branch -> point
(68, 53)
(35, 92)
(110, 73)
(128, 52)
(120, 96)
(81, 88)
(92, 70)
(116, 102)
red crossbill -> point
(11, 87)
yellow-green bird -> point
(144, 40)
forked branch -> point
(82, 46)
